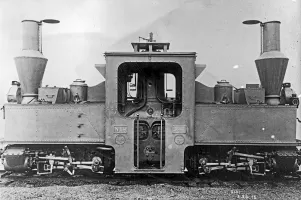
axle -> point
(21, 159)
(259, 164)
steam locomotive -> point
(150, 115)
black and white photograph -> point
(150, 99)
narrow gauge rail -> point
(235, 181)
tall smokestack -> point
(272, 64)
(30, 63)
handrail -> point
(161, 141)
(137, 141)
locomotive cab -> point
(150, 107)
(149, 89)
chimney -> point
(272, 64)
(30, 63)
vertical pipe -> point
(173, 108)
(299, 94)
(165, 48)
(30, 35)
(123, 92)
(165, 80)
(151, 37)
(136, 47)
(161, 141)
(3, 108)
(137, 138)
(271, 36)
(40, 31)
(261, 35)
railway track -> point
(61, 186)
(62, 179)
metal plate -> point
(51, 21)
(179, 129)
(55, 123)
(251, 22)
(120, 139)
(120, 129)
(179, 139)
(245, 123)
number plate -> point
(179, 129)
(120, 129)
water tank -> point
(79, 90)
(223, 92)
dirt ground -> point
(136, 188)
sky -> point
(88, 28)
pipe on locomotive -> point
(271, 64)
(31, 63)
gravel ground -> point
(85, 188)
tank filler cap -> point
(79, 82)
(222, 81)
